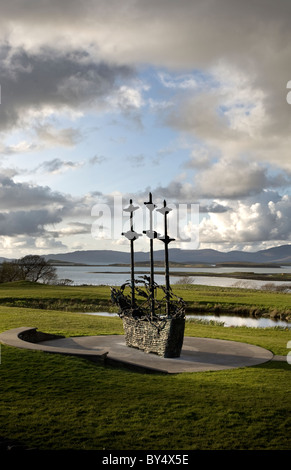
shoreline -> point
(284, 277)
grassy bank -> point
(235, 300)
(198, 298)
(43, 296)
(56, 402)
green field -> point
(97, 298)
(52, 402)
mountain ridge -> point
(278, 255)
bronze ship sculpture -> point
(153, 317)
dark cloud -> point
(213, 207)
(36, 211)
(236, 179)
(226, 179)
(57, 165)
(50, 78)
(27, 196)
(27, 222)
(174, 192)
(162, 32)
(97, 159)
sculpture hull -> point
(163, 336)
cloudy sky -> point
(106, 100)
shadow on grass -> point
(278, 365)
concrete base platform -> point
(198, 354)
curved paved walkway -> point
(198, 354)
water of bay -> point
(117, 275)
(227, 320)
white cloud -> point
(236, 178)
(242, 102)
(74, 228)
(21, 147)
(129, 98)
(248, 222)
(158, 105)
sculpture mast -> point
(132, 236)
(166, 239)
(151, 234)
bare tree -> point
(31, 268)
(10, 271)
(35, 268)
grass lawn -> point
(53, 402)
(96, 298)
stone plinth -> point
(161, 336)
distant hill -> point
(279, 255)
